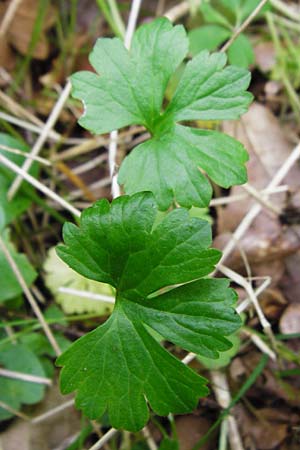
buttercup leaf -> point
(158, 276)
(218, 93)
(241, 52)
(207, 37)
(129, 88)
(175, 170)
(58, 274)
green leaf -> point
(248, 6)
(58, 274)
(168, 444)
(241, 53)
(119, 365)
(241, 9)
(19, 358)
(10, 286)
(40, 346)
(210, 91)
(224, 357)
(201, 213)
(185, 149)
(233, 5)
(130, 89)
(9, 210)
(212, 15)
(131, 86)
(207, 37)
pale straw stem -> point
(42, 138)
(37, 184)
(25, 377)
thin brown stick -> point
(8, 408)
(255, 210)
(75, 180)
(18, 110)
(263, 200)
(52, 412)
(244, 25)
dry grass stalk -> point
(42, 138)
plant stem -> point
(244, 25)
(112, 151)
(242, 391)
(286, 10)
(282, 67)
(107, 14)
(41, 139)
(117, 16)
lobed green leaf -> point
(157, 273)
(173, 173)
(129, 89)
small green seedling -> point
(158, 267)
(221, 19)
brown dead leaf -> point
(265, 56)
(48, 434)
(272, 88)
(263, 136)
(7, 58)
(265, 250)
(20, 30)
(266, 243)
(268, 386)
(264, 429)
(73, 61)
(290, 320)
(190, 429)
(290, 283)
(237, 369)
(272, 302)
